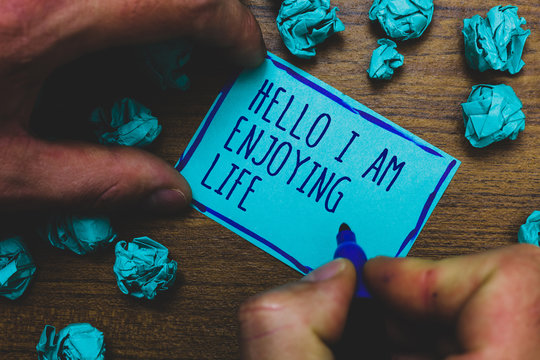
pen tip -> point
(344, 227)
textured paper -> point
(497, 41)
(303, 24)
(81, 235)
(384, 60)
(129, 124)
(492, 113)
(402, 19)
(79, 341)
(142, 267)
(16, 268)
(356, 167)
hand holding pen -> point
(478, 307)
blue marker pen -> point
(349, 249)
(365, 330)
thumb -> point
(85, 26)
(299, 320)
(36, 174)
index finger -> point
(492, 299)
(68, 31)
(425, 288)
(227, 24)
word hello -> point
(276, 151)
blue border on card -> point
(202, 208)
(374, 120)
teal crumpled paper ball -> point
(143, 268)
(74, 342)
(79, 234)
(385, 60)
(402, 19)
(165, 61)
(129, 123)
(16, 268)
(495, 42)
(492, 113)
(305, 23)
(529, 233)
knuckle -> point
(535, 253)
(19, 29)
(249, 25)
(133, 10)
(520, 257)
(119, 186)
(259, 307)
(109, 196)
(14, 167)
(205, 6)
(428, 289)
(283, 304)
(515, 266)
(529, 250)
(245, 31)
(264, 315)
(203, 12)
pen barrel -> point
(352, 251)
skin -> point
(36, 36)
(488, 305)
(476, 307)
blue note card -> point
(283, 159)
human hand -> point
(38, 36)
(476, 307)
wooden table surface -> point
(493, 192)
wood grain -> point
(493, 192)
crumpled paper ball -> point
(402, 19)
(79, 234)
(492, 113)
(385, 60)
(143, 268)
(165, 61)
(16, 268)
(495, 42)
(129, 124)
(74, 342)
(305, 23)
(529, 233)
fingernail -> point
(326, 272)
(166, 201)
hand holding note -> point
(476, 307)
(37, 37)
